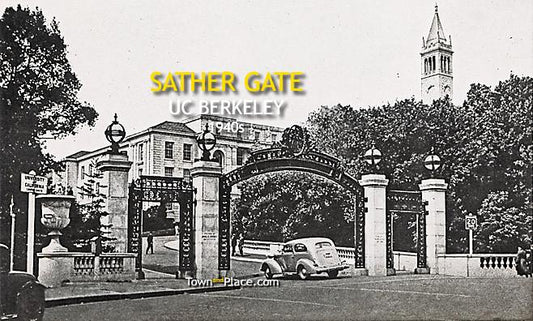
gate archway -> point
(293, 153)
(162, 189)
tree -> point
(38, 96)
(485, 145)
(88, 218)
(288, 205)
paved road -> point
(165, 260)
(399, 297)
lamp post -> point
(115, 134)
(432, 162)
(206, 142)
(372, 156)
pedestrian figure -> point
(529, 261)
(150, 243)
(241, 243)
(234, 239)
(521, 264)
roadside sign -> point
(470, 222)
(33, 184)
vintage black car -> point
(21, 296)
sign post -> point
(12, 253)
(32, 184)
(470, 225)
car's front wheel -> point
(333, 274)
(267, 272)
(302, 272)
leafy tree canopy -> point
(287, 205)
(38, 96)
(485, 145)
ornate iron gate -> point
(407, 202)
(292, 153)
(162, 189)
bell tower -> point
(437, 71)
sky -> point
(359, 53)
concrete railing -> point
(56, 268)
(478, 265)
(260, 247)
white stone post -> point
(434, 193)
(375, 231)
(206, 180)
(115, 168)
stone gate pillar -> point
(434, 193)
(206, 179)
(115, 168)
(375, 232)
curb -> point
(54, 302)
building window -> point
(274, 137)
(82, 172)
(169, 150)
(169, 171)
(141, 152)
(240, 155)
(187, 152)
(219, 156)
(187, 174)
(257, 135)
(140, 172)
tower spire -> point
(436, 32)
(436, 54)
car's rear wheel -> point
(333, 274)
(267, 272)
(302, 272)
(30, 302)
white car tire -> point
(302, 272)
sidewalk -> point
(159, 269)
(157, 284)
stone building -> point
(436, 59)
(170, 148)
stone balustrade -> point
(56, 268)
(478, 265)
(346, 254)
(260, 247)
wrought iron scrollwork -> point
(388, 236)
(162, 189)
(292, 153)
(224, 225)
(294, 141)
(359, 227)
(134, 243)
(421, 257)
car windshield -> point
(321, 245)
